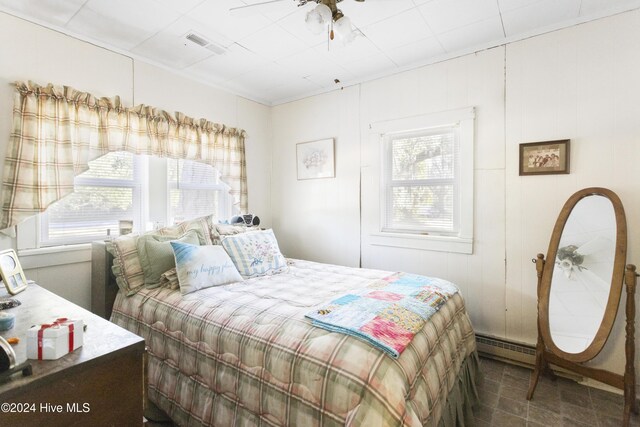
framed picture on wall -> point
(315, 159)
(545, 158)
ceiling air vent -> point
(201, 41)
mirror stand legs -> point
(541, 363)
(541, 368)
(630, 402)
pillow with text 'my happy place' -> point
(202, 267)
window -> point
(110, 191)
(426, 185)
(195, 190)
(420, 182)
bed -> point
(244, 354)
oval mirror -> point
(583, 274)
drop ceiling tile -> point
(170, 47)
(326, 78)
(310, 62)
(264, 79)
(474, 35)
(297, 88)
(446, 15)
(273, 43)
(361, 47)
(53, 11)
(185, 25)
(215, 13)
(171, 52)
(121, 23)
(507, 5)
(417, 52)
(370, 66)
(398, 30)
(272, 11)
(589, 7)
(182, 6)
(232, 64)
(539, 15)
(372, 11)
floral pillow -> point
(201, 267)
(255, 254)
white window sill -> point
(54, 255)
(423, 242)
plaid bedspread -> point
(244, 355)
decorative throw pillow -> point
(202, 224)
(126, 263)
(255, 254)
(220, 231)
(169, 279)
(156, 254)
(202, 267)
(126, 260)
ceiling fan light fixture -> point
(318, 18)
(343, 27)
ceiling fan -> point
(325, 15)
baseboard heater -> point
(518, 354)
(506, 350)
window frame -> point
(139, 187)
(388, 183)
(460, 241)
(225, 207)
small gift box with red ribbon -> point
(53, 340)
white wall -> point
(31, 52)
(318, 219)
(473, 80)
(578, 83)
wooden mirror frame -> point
(615, 291)
(546, 350)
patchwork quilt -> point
(244, 354)
(388, 312)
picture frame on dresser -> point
(11, 272)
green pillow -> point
(156, 254)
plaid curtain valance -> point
(57, 130)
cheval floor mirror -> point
(579, 289)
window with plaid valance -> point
(57, 130)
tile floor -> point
(560, 403)
(555, 403)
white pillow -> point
(255, 253)
(202, 267)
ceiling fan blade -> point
(256, 8)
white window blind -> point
(110, 191)
(421, 184)
(195, 190)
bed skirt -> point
(463, 398)
(458, 411)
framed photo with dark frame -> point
(545, 158)
(11, 272)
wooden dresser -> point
(99, 384)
